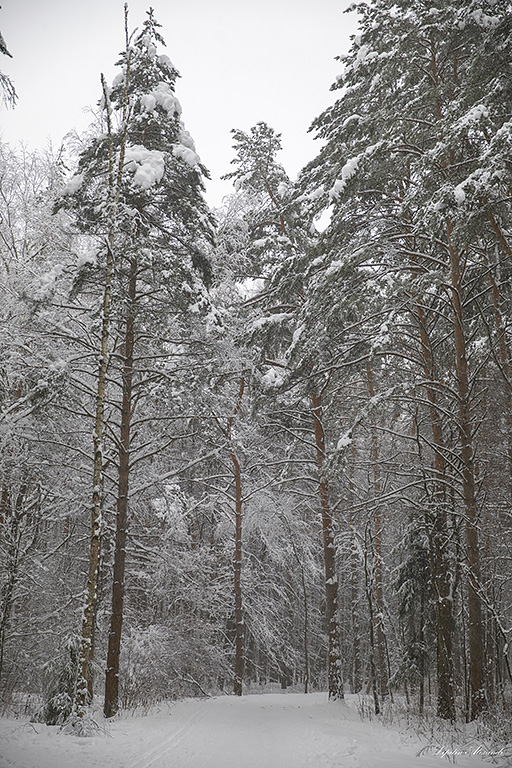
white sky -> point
(241, 61)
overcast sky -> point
(240, 61)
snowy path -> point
(260, 731)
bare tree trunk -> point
(305, 606)
(440, 570)
(306, 631)
(476, 628)
(354, 586)
(111, 704)
(382, 667)
(439, 539)
(239, 616)
(369, 597)
(237, 564)
(421, 639)
(94, 547)
(7, 594)
(331, 579)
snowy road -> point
(260, 731)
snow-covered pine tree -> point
(412, 171)
(153, 220)
(282, 246)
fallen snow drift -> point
(257, 731)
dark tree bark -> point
(111, 704)
(439, 539)
(13, 515)
(380, 636)
(237, 563)
(335, 674)
(476, 627)
(354, 586)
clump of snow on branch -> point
(73, 184)
(474, 115)
(88, 257)
(382, 338)
(275, 319)
(250, 287)
(118, 79)
(162, 96)
(364, 54)
(273, 378)
(482, 20)
(186, 149)
(148, 165)
(165, 61)
(344, 441)
(347, 172)
(150, 46)
(316, 194)
(355, 118)
(460, 195)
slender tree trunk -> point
(440, 570)
(371, 617)
(354, 602)
(111, 704)
(421, 639)
(329, 547)
(305, 606)
(440, 563)
(237, 564)
(94, 546)
(354, 585)
(476, 628)
(306, 631)
(239, 616)
(382, 667)
(9, 587)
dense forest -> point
(270, 443)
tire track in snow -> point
(172, 741)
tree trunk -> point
(111, 704)
(94, 546)
(14, 557)
(303, 582)
(440, 571)
(380, 637)
(439, 539)
(369, 598)
(239, 616)
(476, 629)
(354, 585)
(329, 548)
(237, 564)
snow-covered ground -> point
(257, 731)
